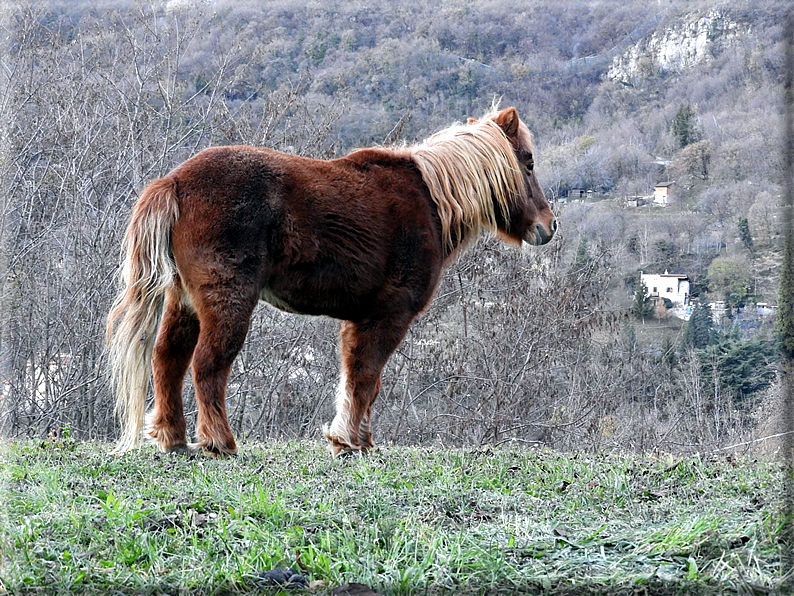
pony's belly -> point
(334, 303)
(267, 295)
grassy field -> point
(76, 520)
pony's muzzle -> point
(542, 235)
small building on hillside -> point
(635, 201)
(765, 309)
(673, 286)
(718, 310)
(579, 193)
(662, 192)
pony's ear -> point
(472, 121)
(507, 120)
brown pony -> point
(363, 238)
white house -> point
(673, 286)
(661, 193)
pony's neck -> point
(473, 177)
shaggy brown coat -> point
(363, 239)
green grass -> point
(76, 520)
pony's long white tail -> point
(148, 271)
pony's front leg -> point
(350, 429)
(364, 349)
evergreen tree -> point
(744, 233)
(745, 366)
(642, 307)
(684, 126)
(699, 331)
(784, 318)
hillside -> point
(402, 521)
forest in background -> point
(554, 346)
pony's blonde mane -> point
(471, 171)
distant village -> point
(672, 289)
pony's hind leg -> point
(165, 424)
(365, 348)
(224, 316)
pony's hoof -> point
(212, 449)
(180, 449)
(341, 449)
(347, 454)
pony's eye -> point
(530, 166)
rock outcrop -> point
(691, 42)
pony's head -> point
(530, 218)
(481, 176)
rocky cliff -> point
(693, 40)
